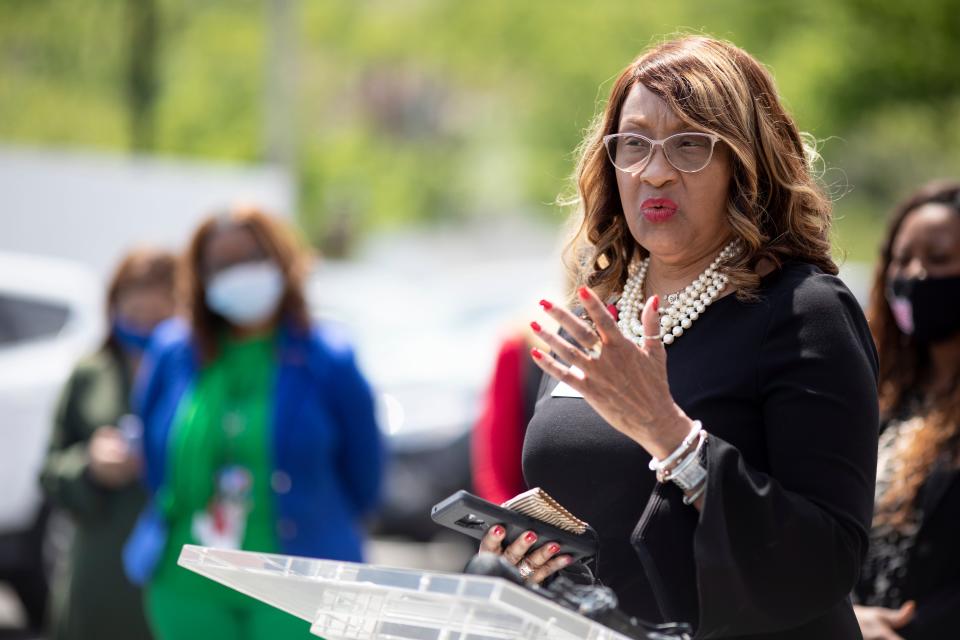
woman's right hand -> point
(879, 623)
(112, 462)
(538, 564)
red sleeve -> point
(498, 435)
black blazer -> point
(933, 567)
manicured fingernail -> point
(656, 303)
(536, 353)
(583, 293)
(498, 531)
(536, 327)
(531, 537)
(567, 560)
(553, 548)
(612, 308)
(546, 304)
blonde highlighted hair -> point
(774, 206)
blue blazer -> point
(327, 452)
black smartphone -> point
(473, 516)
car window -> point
(24, 319)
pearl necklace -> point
(684, 308)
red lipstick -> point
(658, 209)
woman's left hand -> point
(625, 383)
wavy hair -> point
(277, 241)
(905, 370)
(774, 206)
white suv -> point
(51, 314)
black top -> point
(883, 574)
(786, 387)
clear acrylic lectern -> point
(348, 601)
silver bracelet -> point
(659, 465)
(690, 472)
(693, 497)
(679, 469)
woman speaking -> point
(720, 433)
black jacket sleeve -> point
(933, 569)
(779, 543)
(937, 616)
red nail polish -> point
(656, 303)
(612, 308)
(536, 327)
(583, 293)
(553, 548)
(546, 304)
(531, 537)
(536, 353)
(498, 531)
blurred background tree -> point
(393, 112)
(142, 28)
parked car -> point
(50, 315)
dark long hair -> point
(905, 368)
(280, 244)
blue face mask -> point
(133, 340)
(246, 294)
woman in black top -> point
(740, 367)
(910, 584)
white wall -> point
(91, 207)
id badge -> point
(563, 390)
(224, 522)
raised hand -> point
(625, 383)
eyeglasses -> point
(688, 152)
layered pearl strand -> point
(683, 308)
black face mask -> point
(927, 309)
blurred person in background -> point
(910, 583)
(497, 439)
(259, 431)
(92, 468)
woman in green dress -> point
(259, 432)
(92, 468)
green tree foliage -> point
(142, 31)
(426, 110)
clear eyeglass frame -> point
(636, 167)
